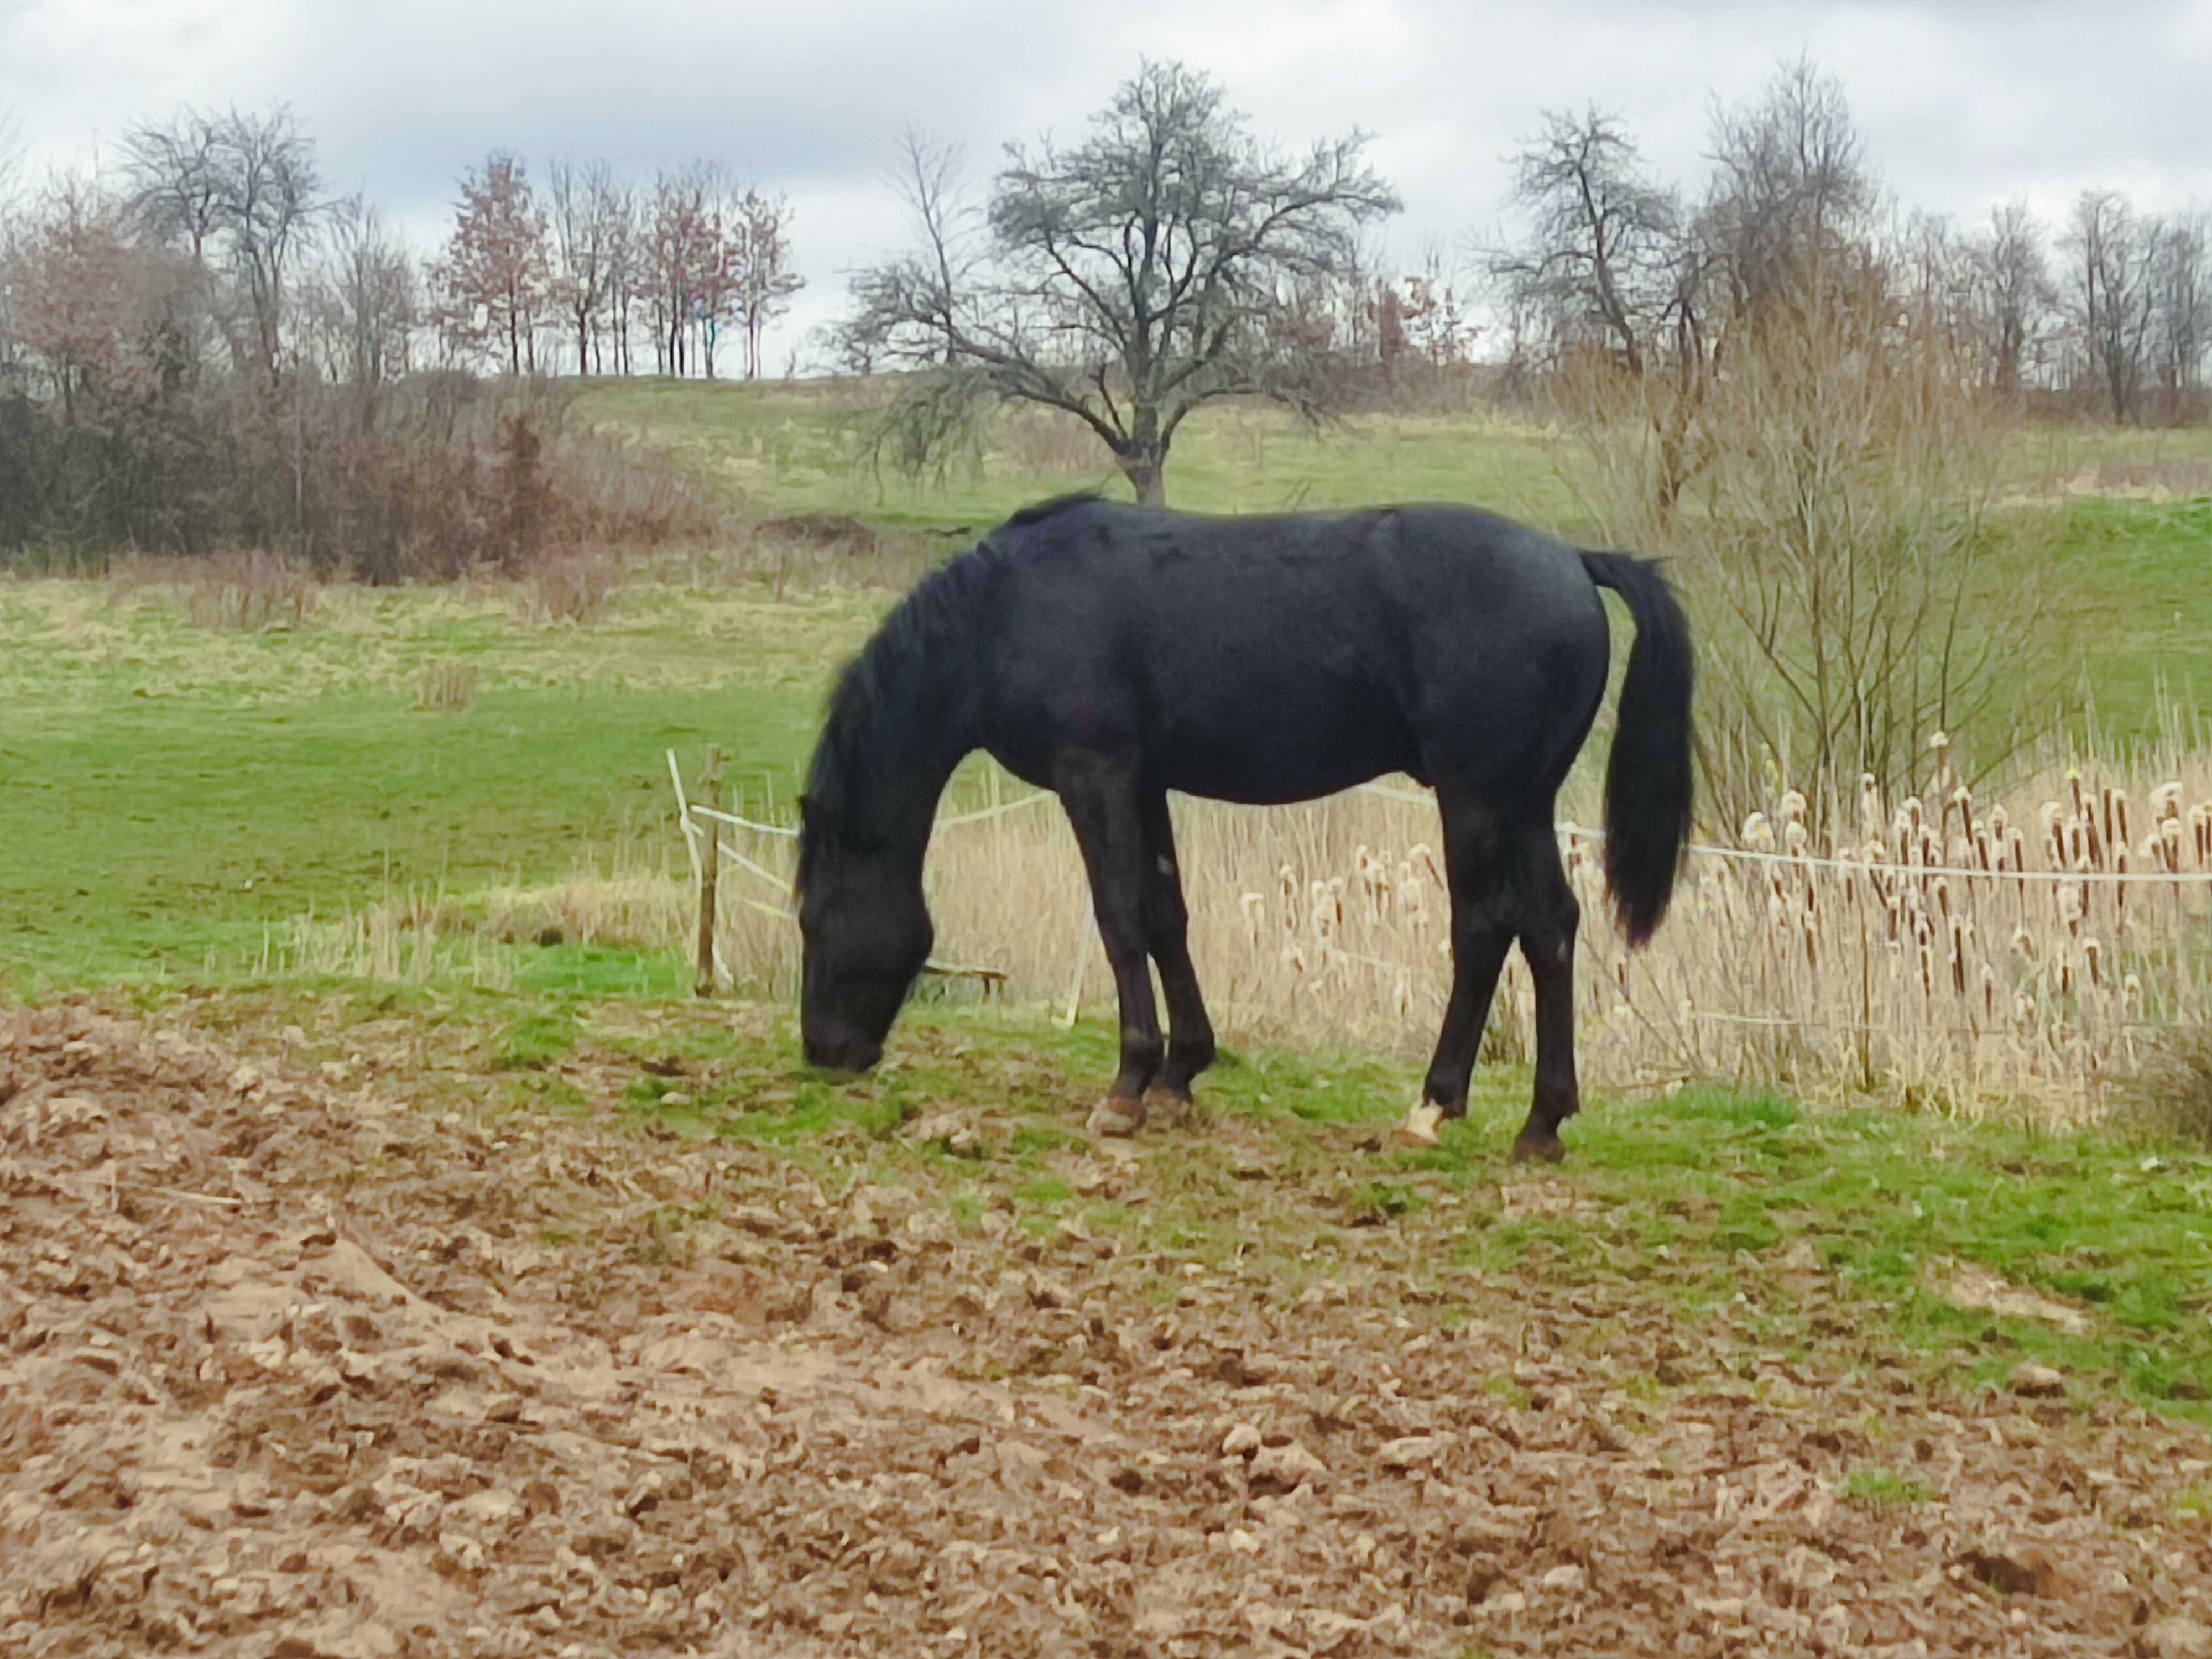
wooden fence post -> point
(710, 860)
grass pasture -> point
(2124, 576)
(344, 1027)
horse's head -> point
(865, 934)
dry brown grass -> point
(450, 686)
(1850, 966)
(410, 938)
(243, 590)
(1043, 442)
(573, 584)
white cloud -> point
(1964, 102)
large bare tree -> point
(2109, 251)
(1791, 189)
(1599, 237)
(240, 195)
(1128, 279)
(2014, 294)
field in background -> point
(2126, 580)
(394, 1165)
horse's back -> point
(1270, 658)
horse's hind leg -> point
(1101, 800)
(1549, 917)
(1482, 930)
(1167, 934)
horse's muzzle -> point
(849, 1056)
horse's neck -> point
(921, 742)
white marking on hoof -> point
(1117, 1117)
(1420, 1128)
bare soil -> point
(290, 1367)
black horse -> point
(1111, 653)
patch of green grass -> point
(2128, 591)
(172, 802)
(1885, 1488)
(790, 449)
(537, 1039)
(1386, 1200)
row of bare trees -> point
(593, 260)
(2117, 306)
(1808, 404)
(217, 244)
(204, 345)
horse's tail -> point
(1648, 777)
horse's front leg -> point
(1167, 933)
(1101, 798)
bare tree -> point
(11, 156)
(11, 159)
(588, 230)
(686, 266)
(2181, 307)
(267, 208)
(2013, 296)
(1151, 269)
(179, 179)
(2110, 252)
(626, 274)
(367, 300)
(494, 280)
(1790, 188)
(762, 281)
(1598, 243)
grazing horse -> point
(1110, 653)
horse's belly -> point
(1301, 754)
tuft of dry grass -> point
(2172, 1100)
(407, 938)
(241, 591)
(573, 585)
(449, 685)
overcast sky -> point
(1963, 102)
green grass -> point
(2126, 582)
(167, 795)
(790, 449)
(1884, 1487)
(2129, 590)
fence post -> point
(710, 860)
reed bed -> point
(1940, 950)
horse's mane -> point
(890, 699)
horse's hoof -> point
(1419, 1127)
(1172, 1106)
(1116, 1117)
(1538, 1149)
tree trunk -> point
(1147, 471)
